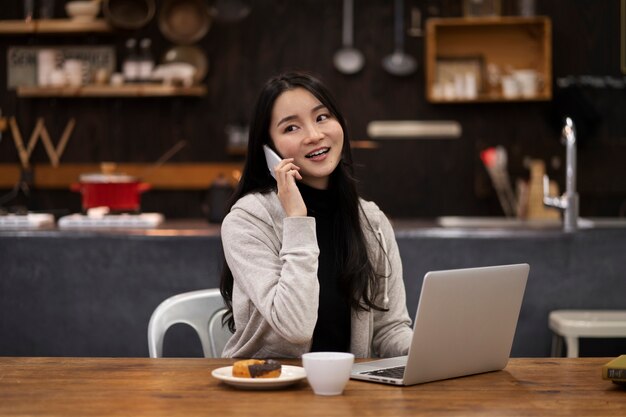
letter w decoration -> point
(40, 131)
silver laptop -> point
(465, 323)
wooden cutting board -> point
(536, 209)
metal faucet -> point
(568, 202)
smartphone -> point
(272, 159)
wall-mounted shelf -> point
(506, 43)
(127, 90)
(53, 26)
(354, 144)
(170, 176)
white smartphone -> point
(272, 159)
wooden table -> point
(185, 387)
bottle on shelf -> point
(146, 60)
(130, 67)
(29, 10)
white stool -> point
(573, 324)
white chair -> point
(574, 324)
(202, 310)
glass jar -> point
(478, 8)
(526, 7)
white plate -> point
(191, 55)
(289, 375)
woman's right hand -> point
(288, 192)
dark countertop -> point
(91, 292)
(402, 228)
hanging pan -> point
(184, 21)
(128, 14)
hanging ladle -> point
(399, 63)
(348, 60)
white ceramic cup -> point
(46, 63)
(528, 81)
(73, 71)
(57, 78)
(510, 87)
(328, 372)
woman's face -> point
(303, 128)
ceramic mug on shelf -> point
(528, 82)
(47, 60)
(73, 71)
(510, 87)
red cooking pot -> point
(118, 192)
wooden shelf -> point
(354, 144)
(17, 27)
(127, 90)
(170, 176)
(510, 43)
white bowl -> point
(82, 10)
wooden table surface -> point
(185, 387)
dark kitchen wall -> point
(407, 178)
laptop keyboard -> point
(395, 372)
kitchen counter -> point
(91, 293)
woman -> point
(309, 265)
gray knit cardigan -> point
(274, 260)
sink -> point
(514, 223)
(607, 222)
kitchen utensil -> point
(536, 209)
(495, 161)
(526, 7)
(416, 23)
(478, 8)
(348, 60)
(83, 10)
(230, 10)
(118, 192)
(165, 157)
(46, 9)
(29, 10)
(184, 21)
(414, 129)
(527, 82)
(189, 55)
(128, 14)
(73, 69)
(178, 73)
(46, 63)
(399, 63)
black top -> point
(332, 330)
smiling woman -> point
(303, 129)
(309, 266)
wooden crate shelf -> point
(510, 43)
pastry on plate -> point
(257, 368)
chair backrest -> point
(202, 310)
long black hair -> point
(357, 276)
